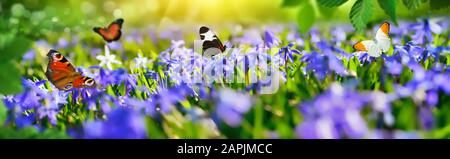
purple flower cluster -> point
(231, 105)
(34, 104)
(121, 123)
(334, 114)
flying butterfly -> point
(112, 32)
(381, 43)
(63, 75)
(210, 42)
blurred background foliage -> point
(41, 16)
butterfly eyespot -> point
(89, 82)
(58, 56)
(68, 86)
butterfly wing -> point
(369, 46)
(112, 32)
(210, 41)
(115, 29)
(381, 44)
(83, 81)
(61, 73)
(58, 62)
(382, 37)
(65, 81)
(103, 32)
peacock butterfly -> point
(61, 73)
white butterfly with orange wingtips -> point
(382, 42)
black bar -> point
(219, 148)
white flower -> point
(107, 59)
(141, 61)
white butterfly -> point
(382, 42)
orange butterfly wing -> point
(83, 81)
(359, 46)
(63, 75)
(385, 27)
(112, 32)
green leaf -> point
(13, 48)
(326, 12)
(439, 4)
(412, 4)
(291, 3)
(331, 3)
(10, 78)
(2, 112)
(389, 8)
(306, 18)
(360, 14)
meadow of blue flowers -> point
(326, 89)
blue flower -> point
(231, 105)
(315, 63)
(435, 52)
(31, 98)
(321, 65)
(442, 81)
(29, 55)
(399, 32)
(364, 57)
(432, 98)
(317, 129)
(108, 77)
(294, 36)
(24, 120)
(54, 103)
(62, 43)
(424, 30)
(270, 39)
(314, 35)
(95, 52)
(171, 33)
(164, 100)
(177, 44)
(147, 105)
(396, 134)
(338, 34)
(287, 53)
(120, 123)
(135, 36)
(113, 46)
(393, 66)
(9, 102)
(250, 37)
(50, 111)
(334, 114)
(426, 118)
